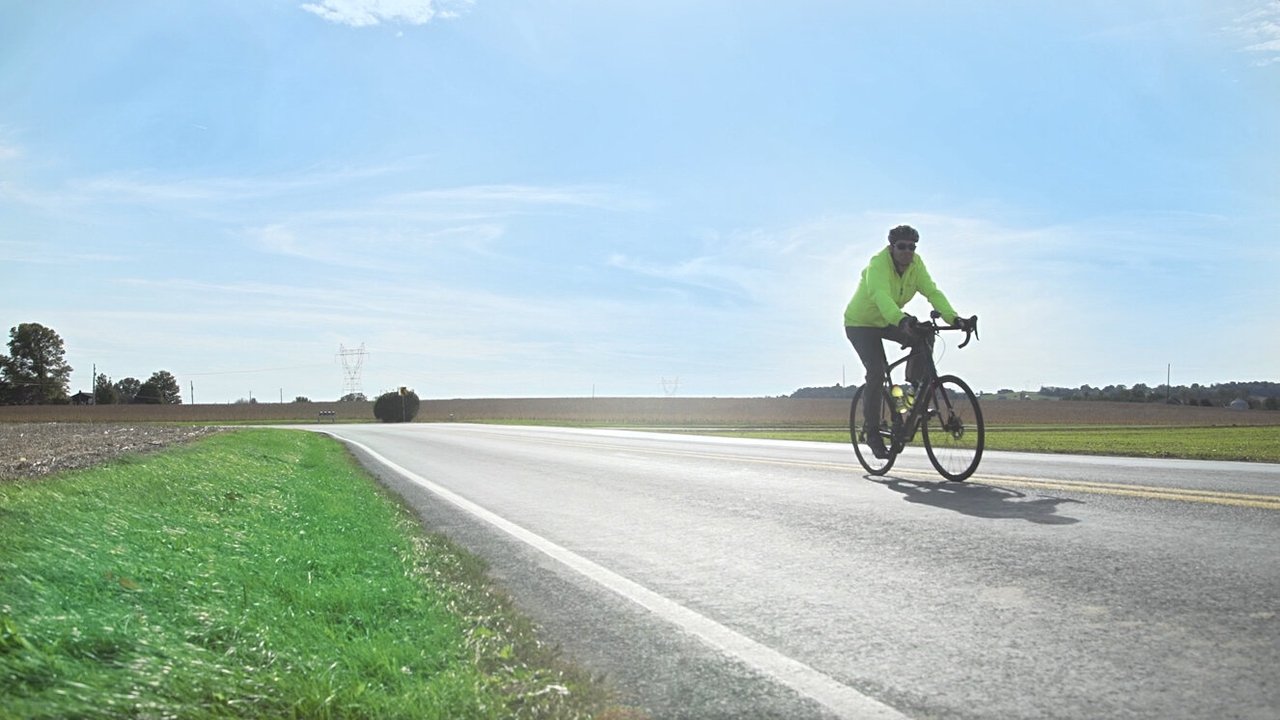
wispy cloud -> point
(371, 247)
(510, 196)
(706, 271)
(1259, 30)
(143, 190)
(34, 254)
(366, 13)
(88, 197)
(382, 231)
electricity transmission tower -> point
(670, 388)
(352, 362)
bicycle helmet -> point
(904, 233)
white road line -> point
(823, 689)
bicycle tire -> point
(868, 460)
(954, 432)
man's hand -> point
(907, 323)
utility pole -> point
(192, 384)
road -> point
(723, 578)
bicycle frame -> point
(905, 428)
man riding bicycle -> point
(874, 314)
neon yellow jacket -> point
(882, 292)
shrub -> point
(394, 407)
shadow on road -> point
(987, 501)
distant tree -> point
(104, 393)
(835, 391)
(393, 407)
(249, 401)
(301, 399)
(127, 389)
(353, 397)
(160, 389)
(1271, 403)
(35, 372)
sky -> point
(575, 198)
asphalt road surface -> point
(721, 578)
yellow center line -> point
(1213, 497)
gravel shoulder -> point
(30, 450)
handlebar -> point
(970, 328)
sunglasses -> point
(905, 246)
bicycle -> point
(946, 411)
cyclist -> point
(874, 314)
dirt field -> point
(34, 450)
(759, 412)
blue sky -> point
(621, 198)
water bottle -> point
(908, 397)
(899, 399)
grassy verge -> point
(258, 573)
(1249, 443)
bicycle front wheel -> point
(858, 432)
(954, 434)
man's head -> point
(902, 241)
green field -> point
(257, 573)
(1248, 443)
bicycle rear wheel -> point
(954, 434)
(858, 433)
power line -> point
(245, 372)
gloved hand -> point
(907, 323)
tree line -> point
(1258, 394)
(36, 372)
(160, 389)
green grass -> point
(1250, 443)
(257, 573)
(1246, 442)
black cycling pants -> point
(869, 344)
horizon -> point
(580, 199)
(283, 400)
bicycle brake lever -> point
(972, 330)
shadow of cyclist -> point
(978, 500)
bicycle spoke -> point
(954, 433)
(858, 432)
